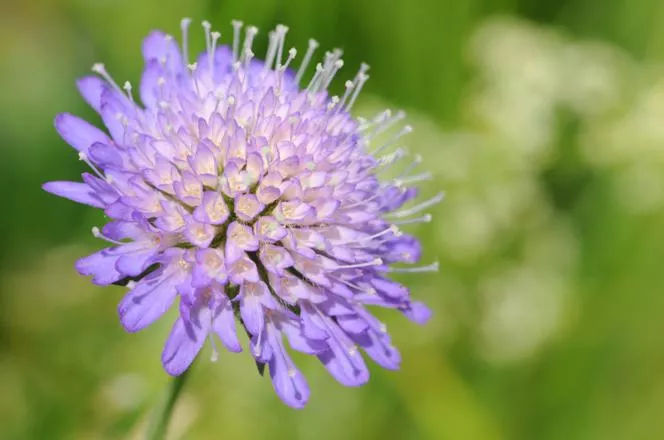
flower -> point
(246, 196)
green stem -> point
(162, 415)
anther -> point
(127, 88)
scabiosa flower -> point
(248, 197)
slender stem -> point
(162, 415)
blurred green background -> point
(543, 120)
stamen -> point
(338, 64)
(369, 290)
(404, 131)
(192, 68)
(374, 262)
(184, 26)
(215, 37)
(417, 208)
(237, 25)
(349, 88)
(206, 28)
(361, 78)
(391, 158)
(84, 157)
(319, 71)
(393, 229)
(433, 267)
(426, 218)
(250, 33)
(100, 69)
(281, 32)
(96, 232)
(271, 51)
(292, 53)
(333, 102)
(127, 88)
(418, 160)
(313, 44)
(413, 179)
(387, 123)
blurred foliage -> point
(542, 121)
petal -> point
(149, 87)
(223, 325)
(298, 340)
(91, 88)
(105, 155)
(78, 133)
(76, 191)
(379, 348)
(148, 300)
(185, 342)
(135, 259)
(417, 312)
(101, 266)
(343, 360)
(288, 382)
(162, 48)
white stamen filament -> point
(404, 131)
(192, 68)
(385, 124)
(426, 218)
(206, 29)
(313, 45)
(281, 32)
(369, 290)
(84, 157)
(360, 79)
(271, 51)
(127, 88)
(184, 26)
(249, 35)
(419, 207)
(237, 26)
(338, 64)
(374, 262)
(314, 80)
(349, 88)
(413, 179)
(393, 229)
(433, 267)
(100, 69)
(215, 37)
(96, 232)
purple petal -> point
(185, 341)
(163, 48)
(105, 155)
(379, 348)
(91, 88)
(223, 325)
(78, 133)
(101, 266)
(288, 381)
(148, 300)
(76, 191)
(417, 312)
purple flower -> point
(248, 197)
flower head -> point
(249, 198)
